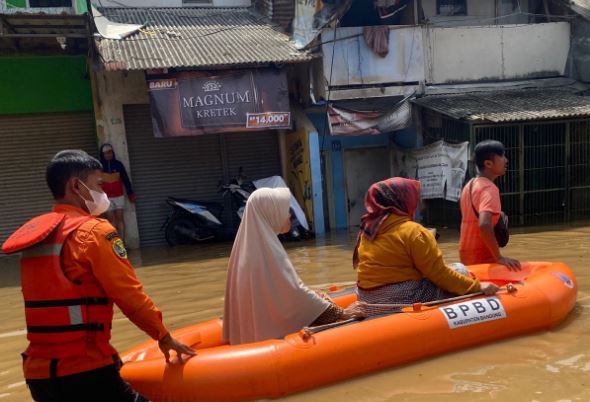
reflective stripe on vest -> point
(43, 250)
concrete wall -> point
(302, 122)
(439, 55)
(464, 54)
(111, 91)
(44, 84)
(172, 3)
(356, 64)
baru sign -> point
(194, 102)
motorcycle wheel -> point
(174, 231)
(181, 230)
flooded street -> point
(188, 285)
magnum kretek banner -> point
(194, 102)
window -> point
(50, 3)
(451, 7)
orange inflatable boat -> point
(542, 294)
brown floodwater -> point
(188, 285)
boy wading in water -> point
(478, 244)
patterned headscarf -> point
(397, 196)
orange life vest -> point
(62, 316)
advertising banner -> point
(195, 102)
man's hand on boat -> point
(355, 310)
(488, 288)
(168, 343)
(511, 263)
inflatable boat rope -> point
(307, 332)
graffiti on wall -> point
(299, 174)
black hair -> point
(67, 164)
(101, 153)
(485, 151)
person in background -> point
(74, 267)
(264, 296)
(115, 182)
(398, 260)
(478, 244)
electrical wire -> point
(326, 113)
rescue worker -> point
(74, 267)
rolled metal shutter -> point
(256, 153)
(189, 167)
(27, 144)
(184, 167)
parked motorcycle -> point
(194, 221)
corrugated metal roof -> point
(196, 37)
(507, 106)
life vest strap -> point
(43, 329)
(87, 301)
(53, 368)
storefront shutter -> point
(189, 167)
(182, 167)
(27, 144)
(256, 153)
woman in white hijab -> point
(264, 296)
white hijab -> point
(264, 296)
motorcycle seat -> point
(215, 207)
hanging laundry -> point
(377, 38)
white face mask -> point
(99, 204)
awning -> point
(369, 116)
(196, 38)
(107, 29)
(511, 105)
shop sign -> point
(194, 102)
(268, 120)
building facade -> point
(45, 100)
